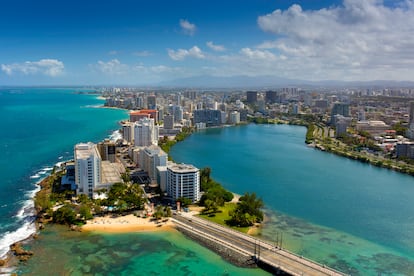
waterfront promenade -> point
(266, 254)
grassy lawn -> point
(222, 215)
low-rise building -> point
(372, 127)
(405, 149)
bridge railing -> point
(273, 248)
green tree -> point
(399, 128)
(85, 211)
(205, 174)
(42, 202)
(126, 177)
(64, 215)
(159, 212)
(248, 210)
(168, 212)
(184, 201)
(210, 206)
(133, 197)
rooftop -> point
(182, 168)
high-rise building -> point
(208, 116)
(190, 94)
(271, 96)
(168, 121)
(145, 133)
(251, 96)
(107, 150)
(235, 117)
(361, 114)
(150, 158)
(183, 181)
(151, 102)
(410, 130)
(178, 114)
(411, 122)
(87, 168)
(144, 113)
(339, 109)
(128, 131)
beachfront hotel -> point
(137, 115)
(183, 181)
(145, 132)
(87, 168)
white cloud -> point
(112, 67)
(251, 62)
(49, 67)
(217, 48)
(187, 27)
(258, 54)
(181, 54)
(360, 39)
(116, 70)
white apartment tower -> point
(128, 131)
(150, 158)
(183, 181)
(87, 168)
(235, 117)
(145, 132)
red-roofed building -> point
(144, 113)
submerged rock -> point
(21, 254)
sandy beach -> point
(129, 223)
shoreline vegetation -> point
(217, 204)
(320, 137)
(54, 205)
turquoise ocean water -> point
(39, 128)
(352, 216)
(343, 213)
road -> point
(251, 246)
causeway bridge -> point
(274, 259)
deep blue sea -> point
(39, 127)
(349, 215)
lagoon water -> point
(343, 213)
(349, 215)
(39, 128)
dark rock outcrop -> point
(18, 251)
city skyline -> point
(157, 42)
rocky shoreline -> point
(16, 252)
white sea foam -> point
(35, 176)
(116, 135)
(25, 217)
(92, 106)
(28, 228)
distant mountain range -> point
(269, 82)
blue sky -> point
(149, 42)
